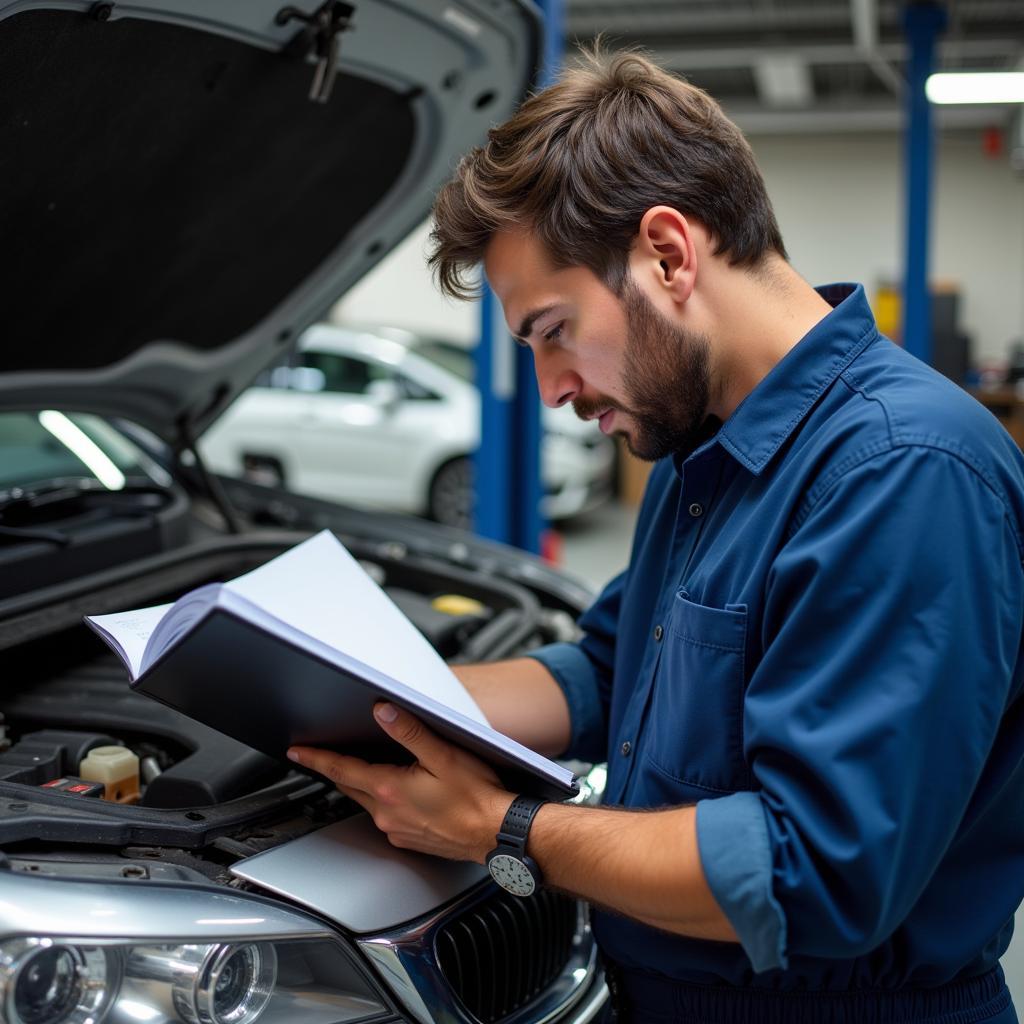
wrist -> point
(490, 824)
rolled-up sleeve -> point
(735, 852)
(584, 672)
(891, 633)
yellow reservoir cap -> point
(457, 604)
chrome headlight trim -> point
(196, 974)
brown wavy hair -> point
(582, 161)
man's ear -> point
(665, 252)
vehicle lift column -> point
(923, 22)
(507, 462)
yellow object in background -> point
(457, 604)
(888, 309)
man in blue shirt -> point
(807, 683)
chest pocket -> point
(695, 724)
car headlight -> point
(76, 981)
(45, 981)
(79, 952)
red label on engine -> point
(80, 787)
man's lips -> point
(603, 416)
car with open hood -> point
(187, 185)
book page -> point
(129, 632)
(319, 589)
(176, 624)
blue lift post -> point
(507, 463)
(923, 22)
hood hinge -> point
(319, 36)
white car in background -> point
(389, 419)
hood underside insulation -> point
(160, 182)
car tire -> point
(450, 497)
(267, 470)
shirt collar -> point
(772, 411)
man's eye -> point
(555, 333)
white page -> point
(131, 631)
(320, 589)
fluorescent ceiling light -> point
(976, 87)
(783, 80)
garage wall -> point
(399, 292)
(839, 201)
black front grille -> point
(502, 953)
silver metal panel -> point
(130, 910)
(351, 874)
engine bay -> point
(99, 781)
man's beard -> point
(666, 379)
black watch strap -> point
(515, 826)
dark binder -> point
(269, 694)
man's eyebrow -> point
(526, 327)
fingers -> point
(345, 772)
(358, 796)
(427, 747)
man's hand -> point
(449, 803)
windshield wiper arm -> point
(46, 498)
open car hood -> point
(178, 201)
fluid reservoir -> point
(117, 768)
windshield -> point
(451, 357)
(40, 447)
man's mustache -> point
(588, 408)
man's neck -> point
(758, 319)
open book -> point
(297, 652)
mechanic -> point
(807, 682)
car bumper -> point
(577, 477)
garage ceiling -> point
(807, 65)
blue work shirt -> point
(818, 642)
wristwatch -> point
(508, 863)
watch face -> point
(511, 874)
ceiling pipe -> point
(867, 119)
(676, 18)
(864, 15)
(826, 53)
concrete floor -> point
(596, 546)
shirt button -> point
(658, 632)
(626, 748)
(696, 510)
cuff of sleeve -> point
(575, 674)
(735, 852)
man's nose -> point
(556, 382)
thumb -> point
(426, 746)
